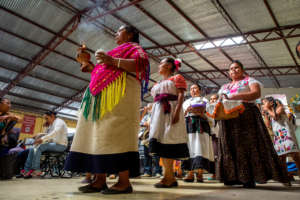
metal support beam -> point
(40, 78)
(112, 3)
(157, 44)
(201, 31)
(70, 100)
(37, 109)
(37, 100)
(36, 89)
(281, 32)
(111, 32)
(231, 22)
(37, 44)
(265, 35)
(39, 25)
(276, 70)
(51, 45)
(143, 10)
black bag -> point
(7, 166)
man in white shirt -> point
(54, 140)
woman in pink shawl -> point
(106, 140)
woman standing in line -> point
(168, 137)
(246, 152)
(199, 136)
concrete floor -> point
(65, 189)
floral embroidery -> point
(237, 87)
(281, 141)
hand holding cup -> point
(103, 58)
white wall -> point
(289, 92)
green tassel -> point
(87, 100)
(96, 107)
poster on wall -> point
(28, 124)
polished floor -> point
(66, 189)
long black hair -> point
(50, 113)
(134, 32)
(276, 102)
(272, 100)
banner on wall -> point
(28, 124)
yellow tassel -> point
(111, 95)
(114, 94)
(108, 98)
(109, 102)
(103, 106)
(119, 85)
(124, 83)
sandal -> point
(90, 189)
(188, 180)
(114, 191)
(162, 185)
(200, 180)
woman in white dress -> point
(168, 137)
(199, 136)
(284, 139)
(106, 138)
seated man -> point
(8, 139)
(55, 139)
(7, 122)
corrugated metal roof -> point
(48, 86)
(274, 53)
(286, 12)
(12, 62)
(249, 15)
(35, 94)
(24, 49)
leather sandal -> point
(114, 191)
(90, 189)
(162, 185)
(188, 180)
(200, 180)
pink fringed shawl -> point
(108, 83)
(103, 75)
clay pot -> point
(3, 108)
(83, 57)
